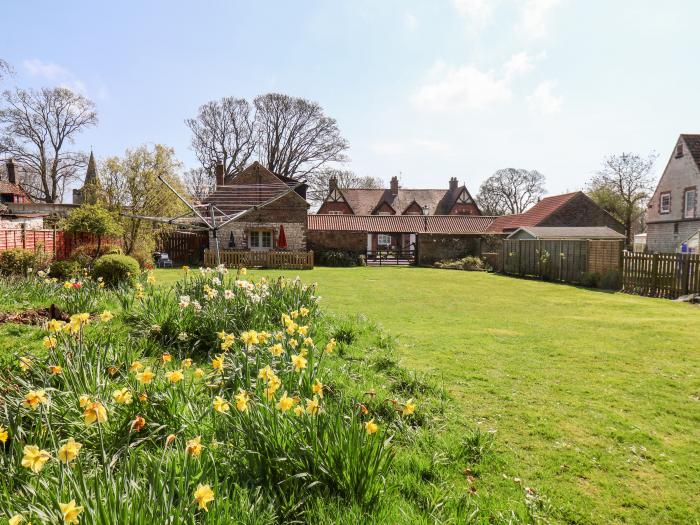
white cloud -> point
(410, 21)
(543, 101)
(475, 11)
(535, 16)
(55, 73)
(466, 87)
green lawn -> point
(594, 398)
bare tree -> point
(623, 185)
(36, 128)
(222, 131)
(510, 190)
(199, 183)
(5, 69)
(318, 183)
(295, 138)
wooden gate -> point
(184, 247)
(667, 275)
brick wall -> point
(464, 209)
(604, 255)
(436, 247)
(329, 240)
(582, 211)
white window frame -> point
(260, 240)
(689, 212)
(384, 237)
(667, 208)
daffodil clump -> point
(163, 426)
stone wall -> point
(667, 237)
(434, 247)
(28, 223)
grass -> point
(593, 398)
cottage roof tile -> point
(463, 224)
(534, 216)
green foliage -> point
(18, 261)
(337, 258)
(469, 263)
(93, 219)
(611, 280)
(85, 254)
(115, 269)
(590, 279)
(66, 269)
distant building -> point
(88, 193)
(672, 213)
(455, 200)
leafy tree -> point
(623, 186)
(93, 219)
(130, 185)
(36, 127)
(510, 190)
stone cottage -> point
(254, 207)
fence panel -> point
(270, 259)
(667, 275)
(555, 260)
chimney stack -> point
(219, 173)
(394, 185)
(333, 183)
(453, 183)
(11, 176)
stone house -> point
(254, 207)
(568, 210)
(672, 212)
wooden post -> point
(685, 274)
(654, 274)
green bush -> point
(115, 269)
(337, 258)
(86, 253)
(17, 261)
(66, 269)
(610, 280)
(590, 279)
(469, 263)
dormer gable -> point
(413, 209)
(383, 208)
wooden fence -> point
(667, 275)
(270, 259)
(57, 243)
(183, 247)
(559, 260)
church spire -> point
(91, 174)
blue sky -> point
(429, 89)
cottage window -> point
(665, 205)
(383, 239)
(335, 212)
(689, 204)
(260, 240)
(679, 150)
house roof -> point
(464, 224)
(534, 216)
(366, 202)
(693, 143)
(573, 232)
(8, 187)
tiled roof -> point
(532, 217)
(365, 202)
(401, 223)
(8, 187)
(571, 232)
(693, 143)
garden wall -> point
(433, 247)
(335, 240)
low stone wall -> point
(433, 247)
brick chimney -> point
(453, 183)
(394, 187)
(11, 176)
(333, 183)
(219, 174)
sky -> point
(422, 89)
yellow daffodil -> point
(242, 401)
(49, 341)
(317, 388)
(250, 337)
(199, 373)
(293, 343)
(294, 314)
(151, 279)
(68, 285)
(262, 337)
(143, 396)
(186, 363)
(312, 406)
(308, 342)
(265, 373)
(218, 363)
(371, 427)
(25, 363)
(291, 328)
(69, 451)
(34, 398)
(330, 346)
(123, 396)
(146, 376)
(299, 362)
(221, 405)
(95, 413)
(16, 520)
(175, 376)
(106, 316)
(272, 386)
(34, 458)
(276, 350)
(303, 311)
(194, 447)
(203, 495)
(55, 369)
(304, 352)
(135, 366)
(408, 408)
(303, 330)
(285, 403)
(70, 511)
(84, 400)
(186, 269)
(3, 435)
(243, 271)
(298, 410)
(166, 357)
